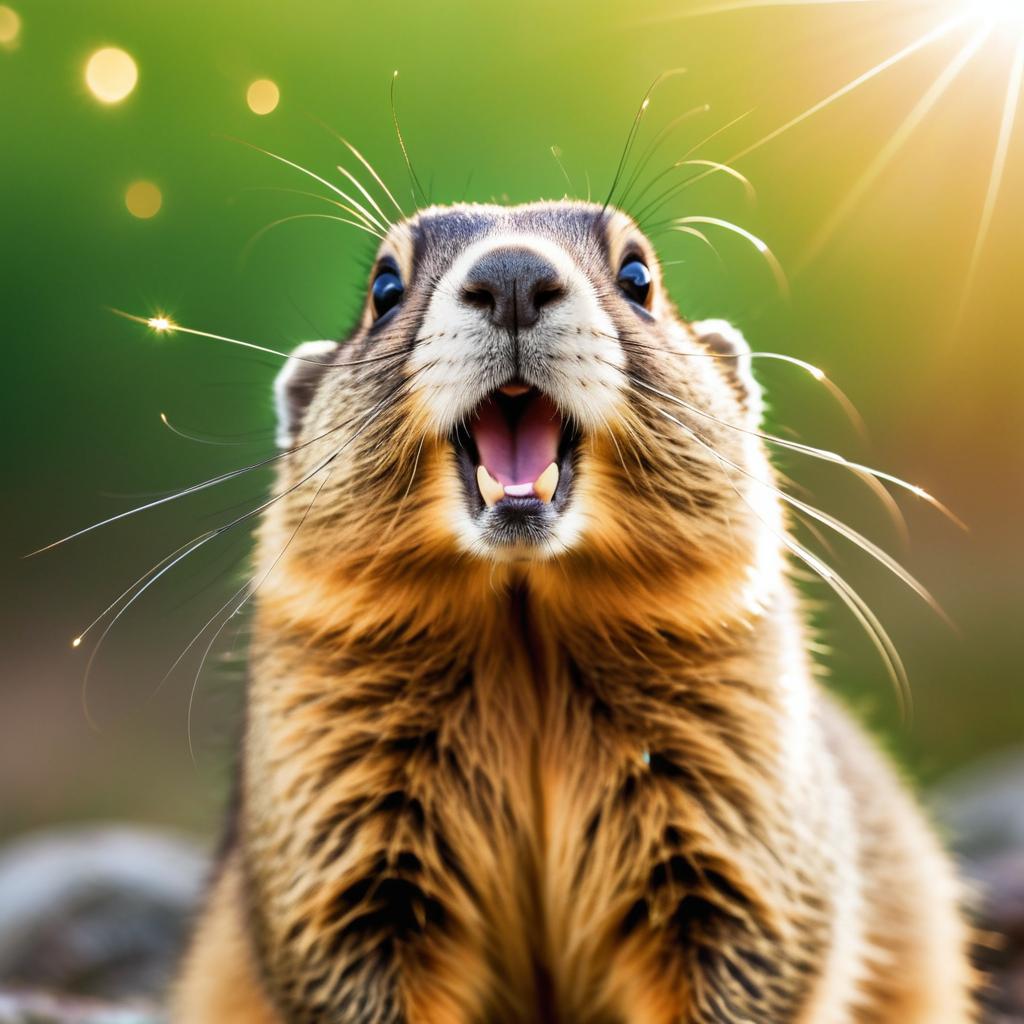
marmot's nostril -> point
(478, 296)
(512, 285)
(547, 294)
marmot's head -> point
(521, 389)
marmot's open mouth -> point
(515, 452)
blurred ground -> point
(92, 921)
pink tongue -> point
(517, 455)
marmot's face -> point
(520, 386)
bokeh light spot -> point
(143, 199)
(111, 74)
(10, 26)
(263, 96)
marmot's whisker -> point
(655, 204)
(556, 155)
(221, 477)
(760, 245)
(256, 238)
(221, 442)
(244, 594)
(350, 205)
(387, 223)
(634, 129)
(845, 402)
(393, 94)
(648, 154)
(144, 582)
(148, 579)
(376, 177)
(845, 531)
(862, 611)
(810, 450)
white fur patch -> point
(461, 356)
(572, 354)
(298, 371)
(729, 340)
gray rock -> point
(99, 911)
(982, 809)
(36, 1008)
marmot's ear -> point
(726, 341)
(295, 385)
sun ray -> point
(896, 142)
(909, 50)
(1009, 119)
(748, 5)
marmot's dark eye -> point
(387, 291)
(635, 281)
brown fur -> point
(594, 785)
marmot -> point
(532, 731)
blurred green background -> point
(485, 91)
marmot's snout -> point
(513, 285)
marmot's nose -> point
(512, 285)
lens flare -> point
(10, 27)
(263, 96)
(983, 23)
(111, 74)
(143, 199)
(160, 324)
(1005, 11)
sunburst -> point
(1009, 12)
(981, 23)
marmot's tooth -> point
(519, 490)
(490, 490)
(544, 486)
